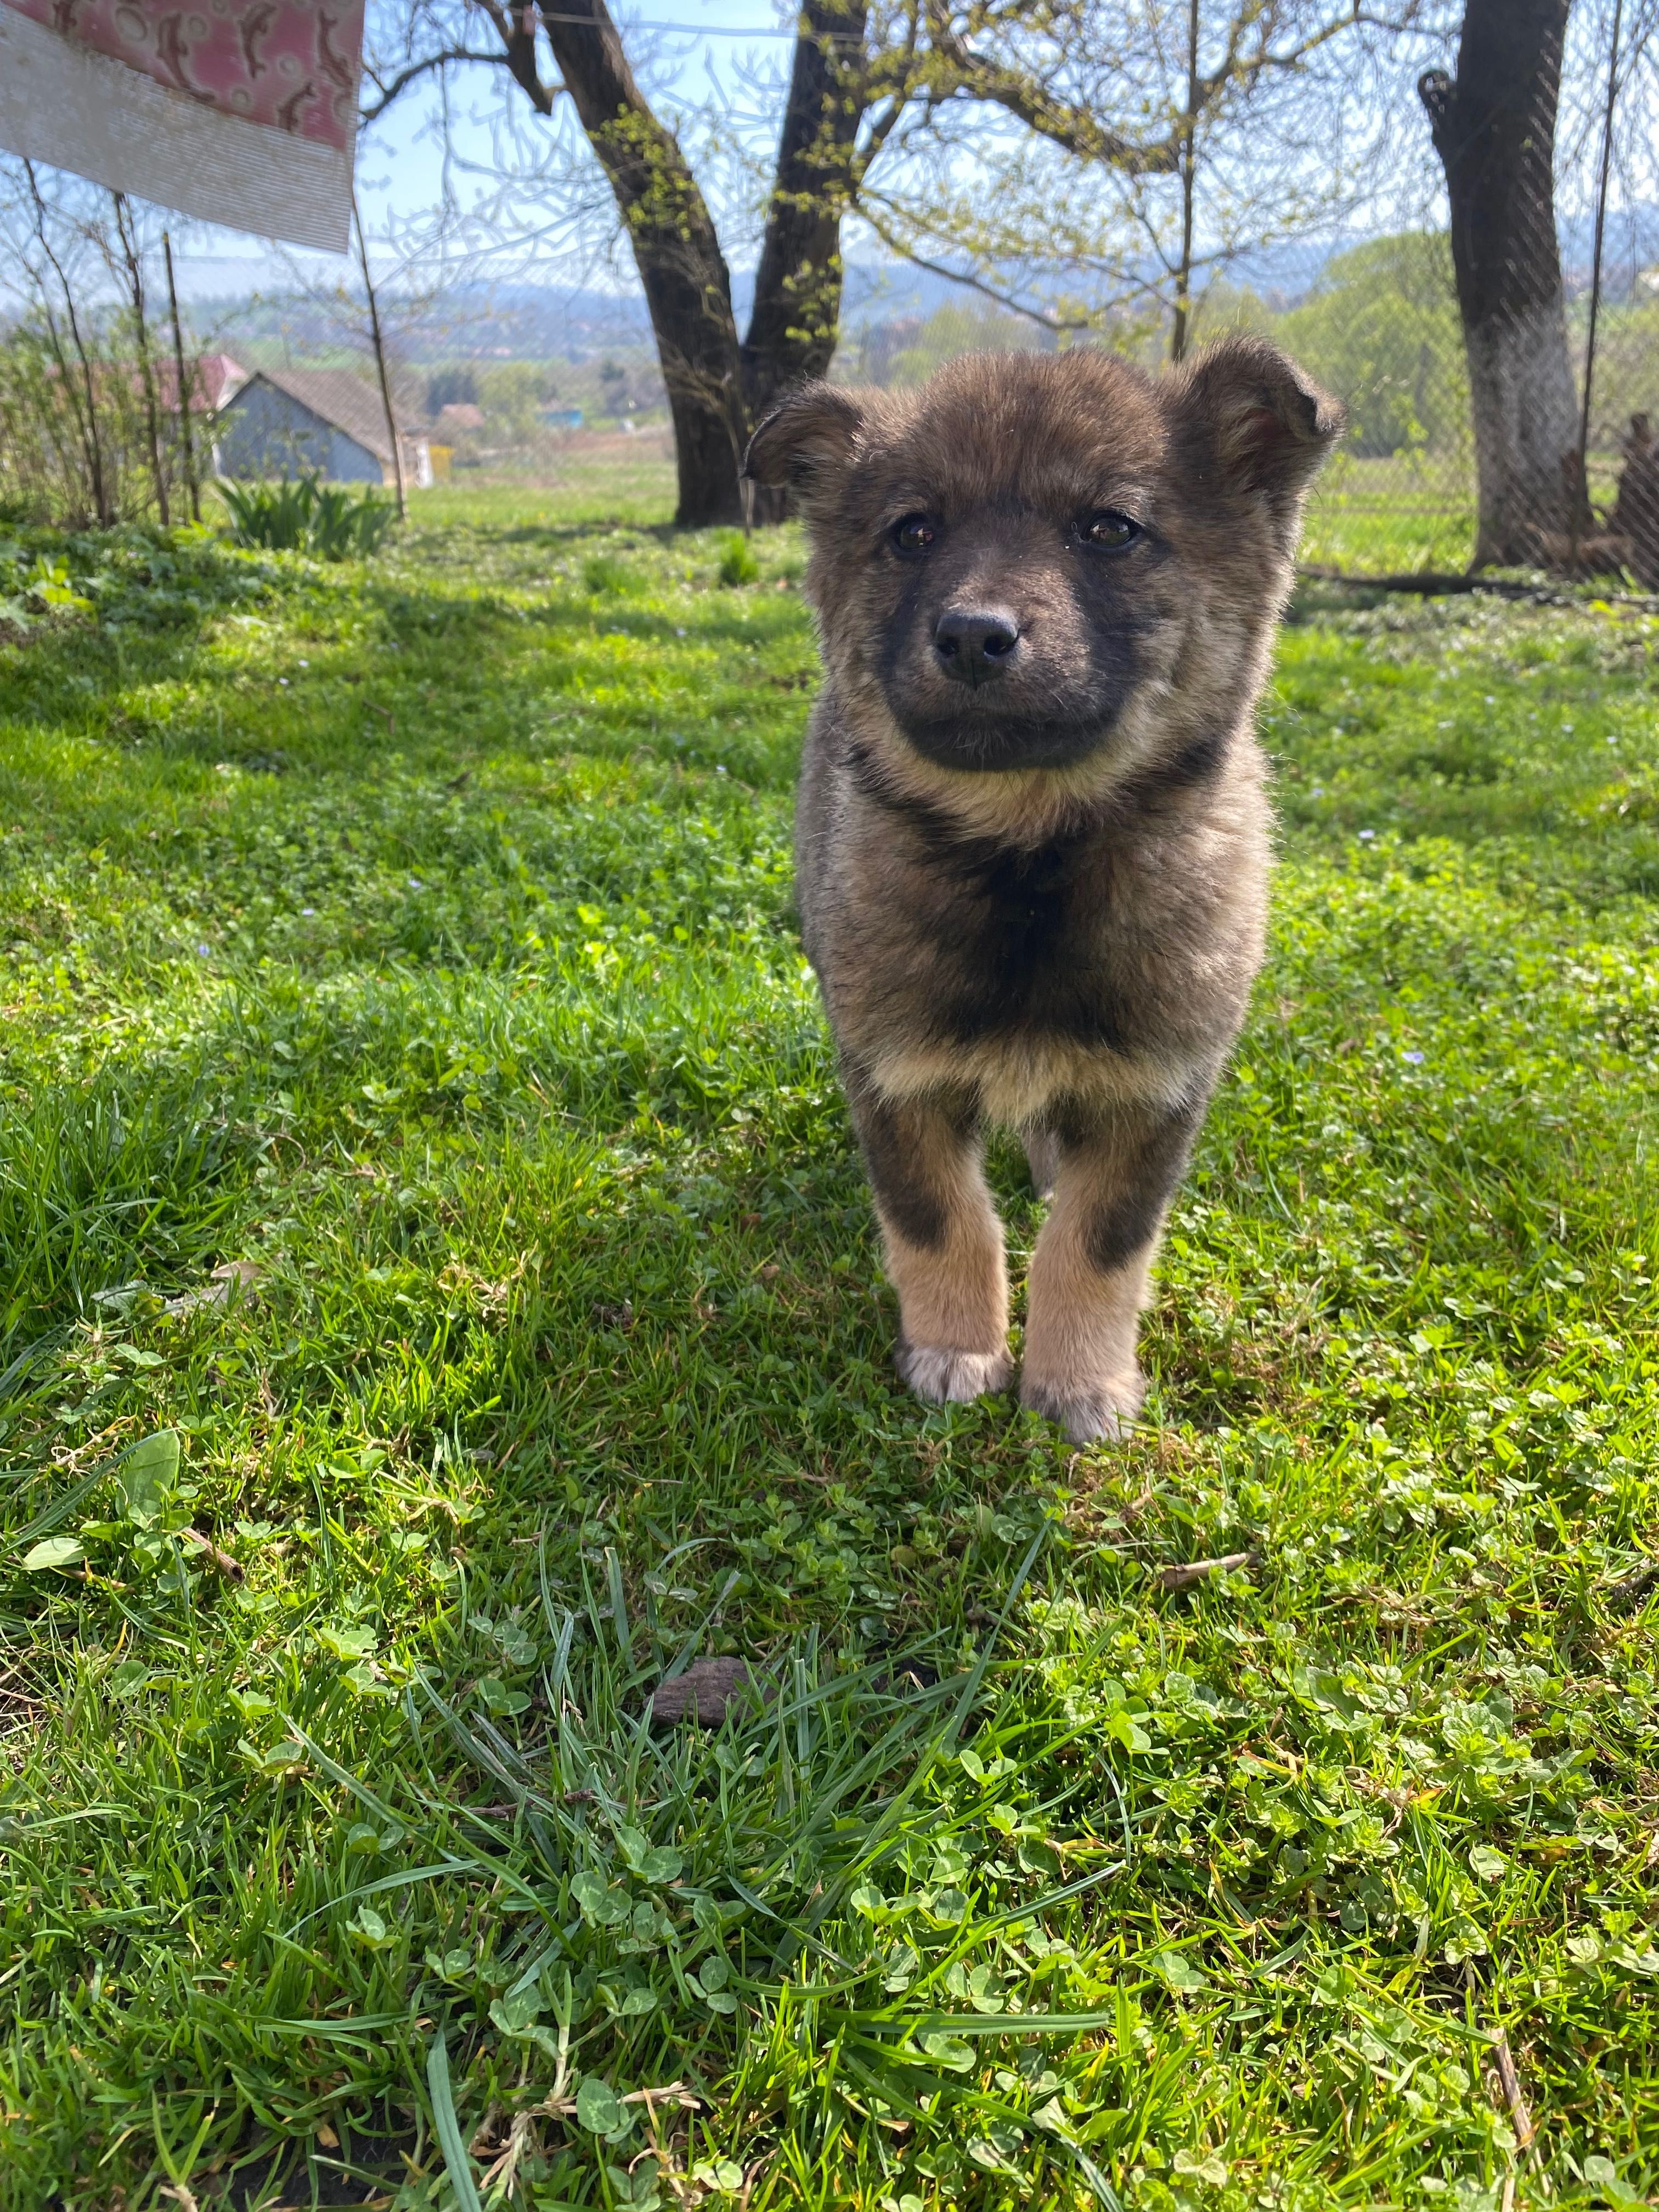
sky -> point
(703, 54)
(725, 45)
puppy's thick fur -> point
(1031, 836)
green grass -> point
(419, 934)
(1411, 512)
(574, 483)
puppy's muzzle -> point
(975, 644)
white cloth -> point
(244, 113)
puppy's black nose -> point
(976, 643)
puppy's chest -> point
(1028, 941)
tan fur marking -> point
(1016, 1083)
(1080, 1367)
(958, 1294)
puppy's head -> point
(1009, 563)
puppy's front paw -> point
(1087, 1411)
(946, 1377)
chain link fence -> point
(556, 395)
(1374, 321)
(1379, 326)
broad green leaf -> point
(985, 1991)
(149, 1473)
(726, 2175)
(348, 1643)
(606, 1906)
(517, 2012)
(1178, 1971)
(599, 2109)
(53, 1552)
(1203, 2165)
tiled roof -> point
(343, 400)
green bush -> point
(737, 564)
(303, 515)
(1381, 329)
(601, 573)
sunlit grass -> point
(418, 935)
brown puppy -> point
(1031, 837)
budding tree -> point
(1128, 90)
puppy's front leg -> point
(941, 1237)
(1090, 1272)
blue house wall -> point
(265, 433)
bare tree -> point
(1253, 125)
(129, 255)
(79, 381)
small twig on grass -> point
(1520, 2118)
(1632, 1588)
(233, 1570)
(675, 2093)
(1196, 1571)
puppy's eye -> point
(915, 534)
(1108, 531)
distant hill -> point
(524, 321)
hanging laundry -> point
(240, 112)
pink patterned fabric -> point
(290, 64)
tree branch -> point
(517, 34)
(1022, 95)
(428, 63)
(1046, 319)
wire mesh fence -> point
(1376, 320)
(1380, 326)
(556, 393)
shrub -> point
(737, 564)
(602, 573)
(302, 515)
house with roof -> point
(211, 381)
(314, 421)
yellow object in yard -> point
(441, 457)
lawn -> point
(414, 940)
(1410, 512)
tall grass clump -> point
(302, 515)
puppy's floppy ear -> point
(807, 442)
(1265, 425)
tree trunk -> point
(681, 266)
(796, 316)
(1494, 129)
